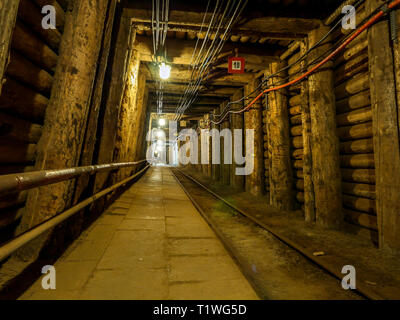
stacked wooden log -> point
(296, 129)
(25, 94)
(354, 121)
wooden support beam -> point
(180, 51)
(268, 27)
(8, 16)
(225, 167)
(114, 87)
(236, 181)
(217, 154)
(143, 106)
(280, 168)
(66, 116)
(385, 131)
(83, 187)
(125, 145)
(254, 182)
(309, 197)
(396, 57)
(324, 141)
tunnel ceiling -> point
(261, 34)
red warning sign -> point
(236, 65)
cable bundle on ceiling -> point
(223, 18)
(159, 27)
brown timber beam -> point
(66, 116)
(8, 16)
(325, 142)
(385, 131)
(280, 167)
(254, 182)
(236, 181)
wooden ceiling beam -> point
(179, 52)
(293, 27)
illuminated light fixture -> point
(165, 71)
(159, 134)
(161, 122)
(160, 148)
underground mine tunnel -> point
(219, 149)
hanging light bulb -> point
(165, 71)
(161, 122)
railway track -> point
(272, 264)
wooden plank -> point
(309, 196)
(324, 141)
(385, 132)
(66, 116)
(280, 177)
(114, 86)
(82, 187)
(254, 182)
(237, 181)
(8, 16)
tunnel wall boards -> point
(27, 84)
(56, 68)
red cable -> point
(369, 23)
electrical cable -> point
(300, 59)
(353, 36)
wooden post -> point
(280, 167)
(83, 189)
(309, 199)
(236, 181)
(385, 132)
(205, 150)
(324, 141)
(209, 165)
(216, 168)
(254, 182)
(66, 115)
(143, 95)
(8, 16)
(225, 167)
(396, 51)
(115, 89)
(125, 147)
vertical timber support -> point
(83, 187)
(216, 154)
(325, 142)
(209, 165)
(66, 117)
(142, 103)
(116, 77)
(254, 182)
(385, 131)
(8, 16)
(309, 199)
(236, 181)
(125, 148)
(396, 50)
(280, 173)
(225, 167)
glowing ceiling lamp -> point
(161, 122)
(165, 71)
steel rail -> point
(14, 244)
(361, 289)
(23, 181)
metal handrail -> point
(23, 181)
(14, 244)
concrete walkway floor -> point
(151, 243)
